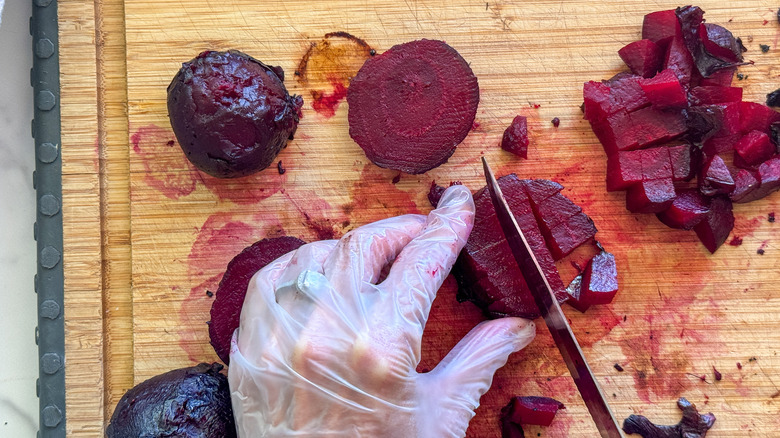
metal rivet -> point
(35, 283)
(48, 205)
(49, 309)
(47, 152)
(42, 3)
(51, 363)
(52, 415)
(49, 257)
(34, 180)
(45, 100)
(44, 48)
(35, 231)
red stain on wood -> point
(167, 169)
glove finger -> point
(422, 266)
(362, 253)
(309, 257)
(460, 379)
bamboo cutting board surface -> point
(146, 235)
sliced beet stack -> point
(226, 308)
(411, 106)
(675, 116)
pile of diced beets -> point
(675, 117)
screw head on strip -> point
(51, 363)
(48, 205)
(49, 309)
(45, 100)
(48, 152)
(51, 415)
(44, 48)
(49, 257)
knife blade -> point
(553, 315)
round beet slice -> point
(226, 309)
(231, 113)
(411, 106)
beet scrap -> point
(411, 106)
(535, 410)
(643, 57)
(715, 177)
(597, 284)
(688, 209)
(515, 139)
(717, 224)
(719, 42)
(226, 308)
(707, 63)
(692, 425)
(753, 149)
(650, 196)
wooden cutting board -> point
(146, 235)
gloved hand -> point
(325, 351)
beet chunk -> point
(769, 179)
(623, 170)
(756, 117)
(188, 402)
(411, 106)
(744, 184)
(660, 25)
(706, 95)
(515, 139)
(717, 224)
(687, 210)
(486, 271)
(664, 91)
(597, 285)
(534, 410)
(226, 308)
(563, 224)
(753, 149)
(643, 57)
(650, 196)
(692, 425)
(715, 177)
(719, 42)
(231, 113)
(685, 161)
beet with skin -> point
(231, 113)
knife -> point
(553, 315)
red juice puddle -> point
(327, 67)
(248, 189)
(322, 227)
(167, 169)
(375, 197)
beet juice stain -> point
(327, 67)
(167, 169)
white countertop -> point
(18, 403)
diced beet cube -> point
(754, 116)
(623, 169)
(717, 224)
(567, 236)
(538, 411)
(660, 25)
(745, 182)
(721, 78)
(720, 145)
(685, 161)
(650, 196)
(680, 61)
(608, 129)
(664, 90)
(597, 103)
(540, 189)
(554, 210)
(719, 42)
(656, 163)
(643, 57)
(715, 177)
(769, 178)
(687, 210)
(753, 149)
(598, 285)
(647, 127)
(515, 139)
(705, 95)
(621, 93)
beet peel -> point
(692, 425)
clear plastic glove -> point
(325, 351)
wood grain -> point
(685, 310)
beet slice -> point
(692, 425)
(515, 139)
(769, 179)
(664, 91)
(553, 211)
(640, 129)
(643, 57)
(534, 410)
(715, 177)
(226, 308)
(411, 106)
(650, 196)
(720, 145)
(717, 224)
(711, 94)
(540, 189)
(753, 149)
(685, 160)
(660, 25)
(486, 271)
(688, 209)
(745, 182)
(756, 117)
(597, 285)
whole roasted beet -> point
(231, 113)
(188, 402)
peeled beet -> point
(753, 149)
(534, 410)
(687, 210)
(715, 177)
(624, 168)
(226, 308)
(189, 402)
(643, 57)
(231, 113)
(717, 224)
(598, 284)
(411, 106)
(515, 139)
(664, 91)
(650, 196)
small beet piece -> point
(188, 402)
(769, 179)
(231, 113)
(685, 160)
(534, 410)
(720, 42)
(717, 224)
(515, 139)
(692, 425)
(679, 60)
(688, 209)
(715, 177)
(756, 117)
(623, 170)
(411, 106)
(753, 149)
(650, 196)
(597, 285)
(664, 91)
(434, 194)
(540, 189)
(643, 57)
(691, 19)
(226, 308)
(570, 234)
(660, 25)
(745, 182)
(711, 94)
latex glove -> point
(322, 350)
